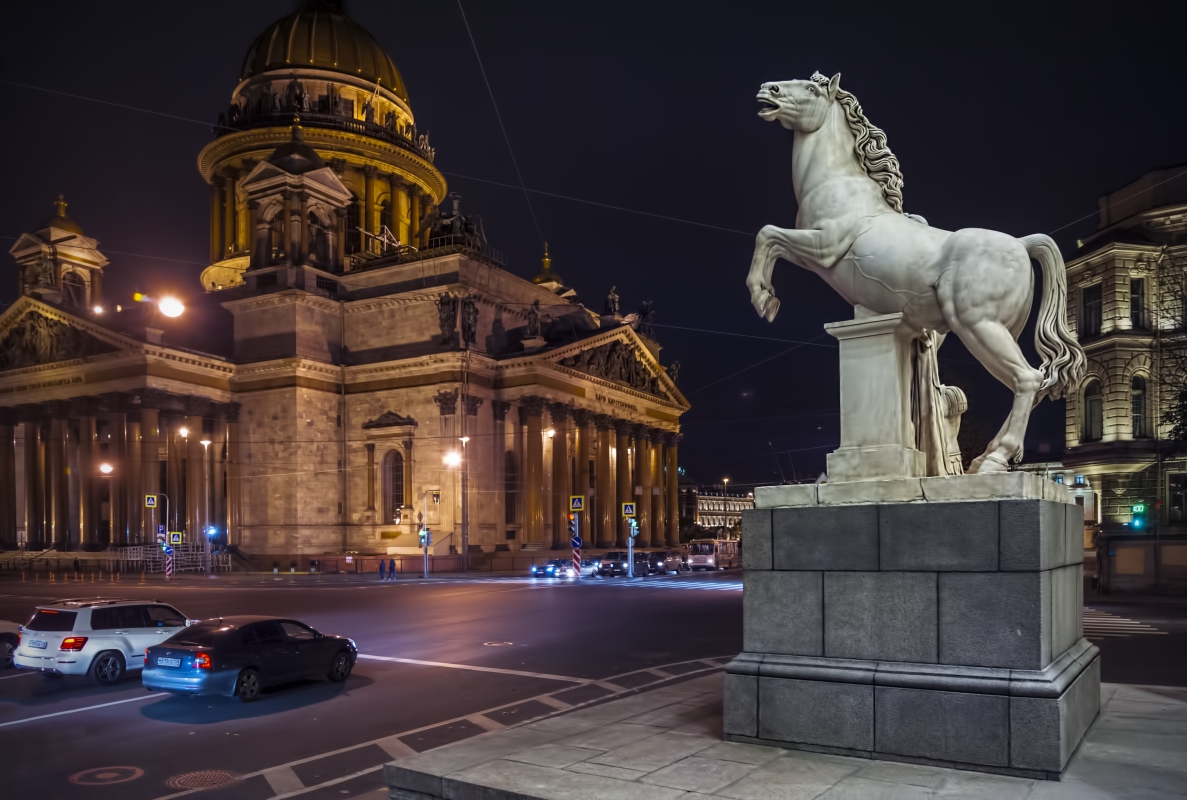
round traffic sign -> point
(168, 550)
(576, 542)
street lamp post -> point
(465, 506)
(206, 505)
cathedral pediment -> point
(33, 335)
(389, 419)
(624, 360)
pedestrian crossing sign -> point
(150, 501)
(628, 509)
(577, 502)
(174, 537)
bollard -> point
(142, 576)
(36, 577)
(22, 576)
(51, 577)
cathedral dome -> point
(321, 36)
(60, 220)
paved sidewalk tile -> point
(552, 755)
(654, 752)
(611, 736)
(696, 774)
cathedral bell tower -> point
(57, 263)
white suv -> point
(101, 638)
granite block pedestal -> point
(946, 633)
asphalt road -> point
(441, 660)
(497, 651)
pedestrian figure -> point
(381, 569)
(77, 568)
(391, 569)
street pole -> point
(465, 503)
(206, 506)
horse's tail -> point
(1063, 358)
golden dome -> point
(547, 275)
(60, 220)
(321, 36)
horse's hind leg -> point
(995, 347)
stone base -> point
(1008, 722)
(956, 488)
(940, 632)
(874, 463)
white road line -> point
(556, 703)
(79, 710)
(485, 722)
(18, 675)
(334, 782)
(282, 779)
(546, 677)
(394, 747)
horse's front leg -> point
(798, 246)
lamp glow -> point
(551, 432)
(453, 459)
(98, 309)
(106, 469)
(185, 432)
(171, 307)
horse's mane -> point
(872, 153)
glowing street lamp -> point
(171, 307)
(106, 468)
(453, 459)
(206, 510)
(185, 432)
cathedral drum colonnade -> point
(355, 345)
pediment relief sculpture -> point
(36, 339)
(389, 419)
(616, 361)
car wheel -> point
(107, 668)
(247, 686)
(7, 648)
(340, 669)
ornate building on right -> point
(1127, 285)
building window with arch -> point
(1093, 412)
(393, 486)
(1090, 316)
(1137, 398)
(74, 290)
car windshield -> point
(556, 562)
(50, 621)
(703, 549)
(614, 555)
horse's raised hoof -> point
(989, 463)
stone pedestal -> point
(942, 632)
(877, 435)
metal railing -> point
(277, 118)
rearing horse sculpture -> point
(852, 232)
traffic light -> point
(1137, 519)
(426, 536)
(572, 526)
(634, 523)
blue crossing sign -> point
(576, 542)
(577, 502)
(628, 509)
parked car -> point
(101, 638)
(10, 637)
(554, 568)
(615, 563)
(663, 562)
(240, 656)
(588, 568)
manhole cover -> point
(106, 775)
(496, 644)
(206, 779)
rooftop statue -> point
(852, 232)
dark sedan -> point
(240, 656)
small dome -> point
(320, 35)
(295, 157)
(60, 220)
(547, 275)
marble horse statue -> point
(852, 232)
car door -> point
(135, 631)
(272, 652)
(166, 621)
(311, 658)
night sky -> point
(1003, 116)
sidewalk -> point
(666, 744)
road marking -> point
(486, 723)
(18, 675)
(555, 702)
(78, 710)
(394, 747)
(282, 779)
(334, 782)
(546, 677)
(1103, 625)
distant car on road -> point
(588, 568)
(555, 568)
(663, 562)
(98, 637)
(240, 656)
(10, 636)
(615, 563)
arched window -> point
(276, 235)
(1138, 404)
(1093, 412)
(393, 486)
(74, 290)
(510, 487)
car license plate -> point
(168, 662)
(37, 644)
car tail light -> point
(202, 661)
(74, 643)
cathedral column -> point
(218, 472)
(150, 461)
(256, 243)
(605, 490)
(414, 217)
(56, 471)
(133, 502)
(195, 484)
(517, 487)
(672, 495)
(234, 493)
(8, 421)
(561, 475)
(622, 472)
(303, 223)
(532, 410)
(216, 218)
(642, 488)
(286, 229)
(367, 218)
(581, 419)
(34, 519)
(229, 231)
(370, 475)
(117, 424)
(655, 469)
(83, 409)
(174, 480)
(499, 466)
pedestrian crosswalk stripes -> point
(1099, 625)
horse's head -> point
(798, 105)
